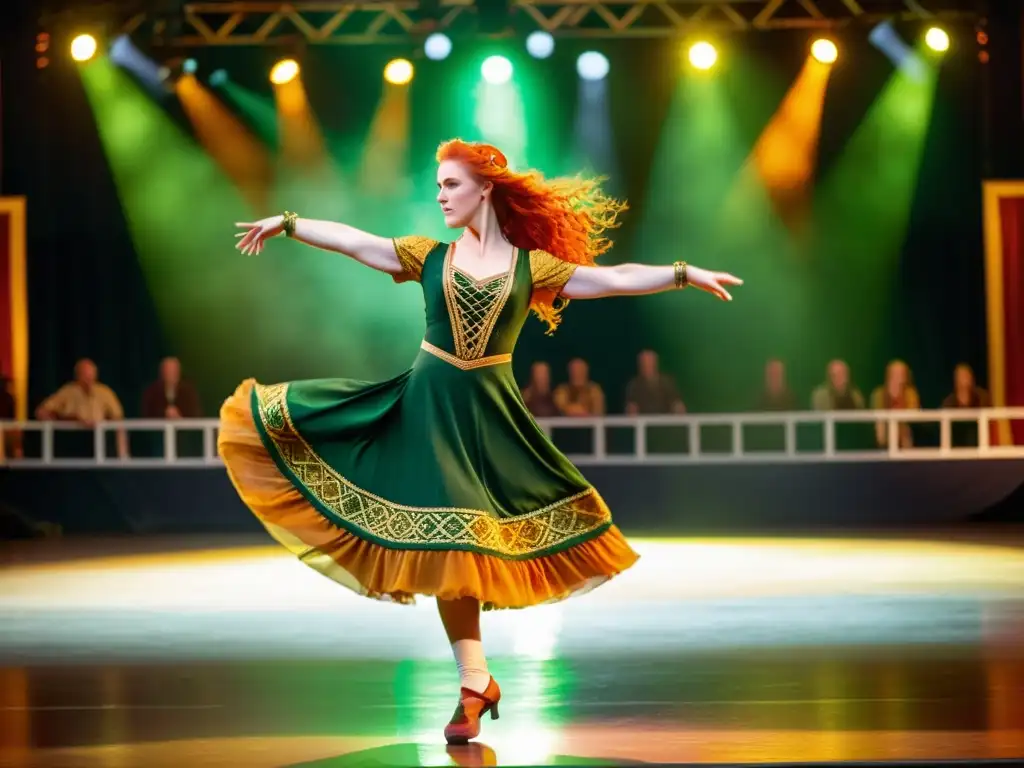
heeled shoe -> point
(465, 723)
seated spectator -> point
(170, 396)
(776, 395)
(579, 396)
(966, 394)
(837, 393)
(537, 394)
(87, 401)
(11, 445)
(651, 391)
(897, 393)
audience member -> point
(579, 396)
(170, 396)
(966, 394)
(837, 393)
(11, 444)
(87, 401)
(537, 394)
(897, 393)
(651, 391)
(776, 395)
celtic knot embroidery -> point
(351, 507)
(474, 307)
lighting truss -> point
(325, 22)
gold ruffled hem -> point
(398, 575)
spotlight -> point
(437, 46)
(398, 71)
(540, 44)
(824, 51)
(703, 55)
(218, 78)
(937, 39)
(592, 65)
(170, 71)
(284, 71)
(83, 47)
(496, 70)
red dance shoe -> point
(465, 723)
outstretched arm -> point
(372, 250)
(640, 279)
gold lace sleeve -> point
(412, 251)
(549, 274)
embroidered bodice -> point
(474, 321)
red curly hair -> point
(567, 217)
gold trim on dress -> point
(412, 251)
(389, 522)
(550, 273)
(465, 365)
(474, 306)
(549, 276)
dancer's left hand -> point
(257, 233)
(712, 282)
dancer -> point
(438, 482)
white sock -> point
(469, 656)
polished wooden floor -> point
(230, 653)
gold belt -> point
(465, 365)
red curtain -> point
(1011, 223)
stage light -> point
(189, 66)
(496, 70)
(398, 71)
(219, 77)
(703, 55)
(937, 39)
(824, 51)
(83, 47)
(540, 44)
(437, 46)
(592, 65)
(284, 71)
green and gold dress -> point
(438, 481)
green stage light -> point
(496, 70)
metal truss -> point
(329, 22)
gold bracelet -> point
(680, 267)
(289, 223)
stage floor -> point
(231, 653)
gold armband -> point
(289, 223)
(680, 267)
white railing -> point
(692, 425)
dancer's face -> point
(459, 193)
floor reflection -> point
(744, 651)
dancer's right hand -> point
(256, 232)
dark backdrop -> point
(88, 297)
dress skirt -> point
(437, 482)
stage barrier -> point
(662, 476)
(782, 437)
